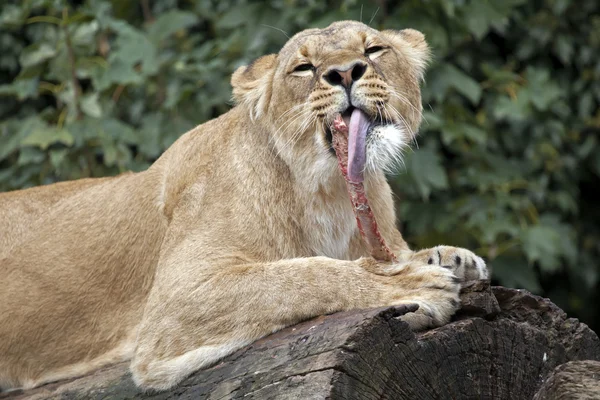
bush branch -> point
(71, 55)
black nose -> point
(336, 76)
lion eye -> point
(373, 50)
(304, 67)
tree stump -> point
(502, 344)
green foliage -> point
(506, 165)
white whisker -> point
(406, 101)
(297, 133)
(412, 134)
(278, 134)
(277, 29)
(373, 17)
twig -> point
(148, 17)
(117, 93)
(71, 55)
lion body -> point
(230, 235)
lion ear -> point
(413, 45)
(252, 84)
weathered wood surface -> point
(503, 344)
(573, 380)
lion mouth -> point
(359, 125)
(346, 116)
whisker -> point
(373, 17)
(413, 135)
(405, 100)
(277, 29)
(277, 134)
(297, 134)
(290, 141)
(291, 110)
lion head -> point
(347, 68)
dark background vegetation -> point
(507, 162)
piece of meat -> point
(356, 190)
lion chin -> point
(242, 227)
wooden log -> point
(573, 380)
(503, 344)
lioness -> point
(241, 228)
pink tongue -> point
(357, 133)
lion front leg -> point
(201, 312)
(195, 317)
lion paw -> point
(434, 289)
(465, 264)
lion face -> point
(321, 73)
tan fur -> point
(241, 228)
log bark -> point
(502, 344)
(573, 380)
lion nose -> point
(345, 77)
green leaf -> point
(513, 109)
(132, 58)
(425, 168)
(457, 131)
(12, 16)
(492, 228)
(57, 157)
(32, 72)
(16, 133)
(59, 66)
(449, 8)
(170, 22)
(119, 131)
(586, 105)
(499, 77)
(30, 155)
(480, 16)
(110, 152)
(91, 106)
(36, 54)
(45, 19)
(448, 76)
(115, 154)
(563, 47)
(119, 72)
(543, 91)
(21, 88)
(44, 137)
(559, 6)
(239, 15)
(513, 272)
(542, 243)
(85, 34)
(151, 133)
